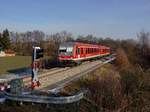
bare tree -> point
(121, 58)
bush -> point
(49, 62)
(129, 82)
(107, 91)
(121, 58)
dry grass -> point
(12, 63)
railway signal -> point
(39, 53)
(36, 55)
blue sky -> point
(106, 18)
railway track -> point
(27, 79)
(63, 78)
(58, 78)
(52, 72)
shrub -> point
(129, 82)
(106, 91)
(121, 58)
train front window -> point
(65, 52)
(62, 50)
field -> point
(8, 64)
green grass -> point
(12, 63)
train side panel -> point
(81, 51)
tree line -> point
(137, 50)
(22, 42)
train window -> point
(92, 50)
(62, 50)
(65, 52)
(81, 50)
(78, 51)
(69, 49)
(89, 50)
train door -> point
(82, 52)
(78, 52)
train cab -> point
(65, 52)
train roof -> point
(67, 44)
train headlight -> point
(2, 88)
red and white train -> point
(77, 52)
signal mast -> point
(36, 55)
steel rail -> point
(42, 75)
(59, 85)
(48, 73)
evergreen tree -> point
(5, 40)
(0, 41)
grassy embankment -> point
(12, 63)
